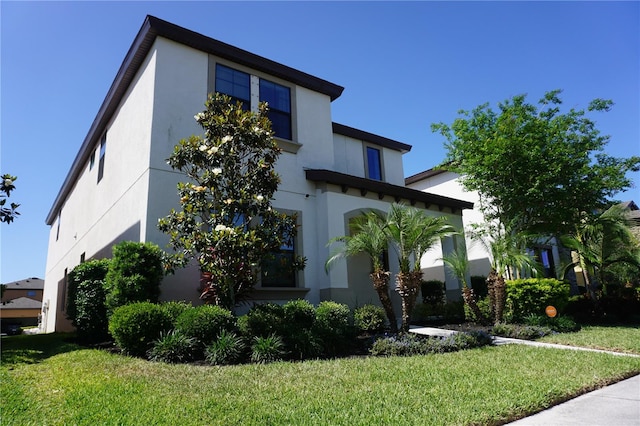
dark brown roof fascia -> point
(384, 188)
(423, 175)
(151, 28)
(341, 129)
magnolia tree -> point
(7, 214)
(225, 220)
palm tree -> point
(412, 234)
(602, 242)
(508, 255)
(458, 264)
(368, 237)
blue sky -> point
(403, 66)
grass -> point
(49, 381)
(614, 338)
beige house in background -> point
(22, 302)
(119, 184)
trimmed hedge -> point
(532, 295)
(135, 273)
(86, 300)
(137, 326)
(205, 323)
(369, 319)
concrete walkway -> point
(613, 405)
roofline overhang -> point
(382, 189)
(351, 132)
(425, 175)
(151, 29)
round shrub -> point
(264, 320)
(334, 327)
(298, 332)
(136, 326)
(299, 313)
(369, 319)
(205, 323)
(135, 273)
(172, 347)
(175, 308)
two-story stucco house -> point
(442, 181)
(119, 184)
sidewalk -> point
(613, 405)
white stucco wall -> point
(97, 214)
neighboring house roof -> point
(21, 303)
(384, 188)
(26, 284)
(152, 28)
(423, 175)
(341, 129)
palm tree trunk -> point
(380, 281)
(470, 300)
(407, 286)
(497, 295)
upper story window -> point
(237, 85)
(103, 150)
(279, 99)
(373, 166)
(234, 83)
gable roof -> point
(26, 284)
(21, 303)
(151, 29)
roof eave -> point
(152, 28)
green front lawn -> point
(619, 338)
(46, 381)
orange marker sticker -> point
(551, 311)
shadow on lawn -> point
(30, 349)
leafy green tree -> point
(368, 236)
(604, 242)
(534, 167)
(225, 220)
(7, 214)
(412, 234)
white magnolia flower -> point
(220, 228)
(213, 150)
(216, 171)
(259, 198)
(199, 116)
(257, 130)
(8, 182)
(227, 138)
(203, 148)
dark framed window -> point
(278, 270)
(544, 255)
(279, 99)
(234, 83)
(92, 160)
(374, 163)
(103, 150)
